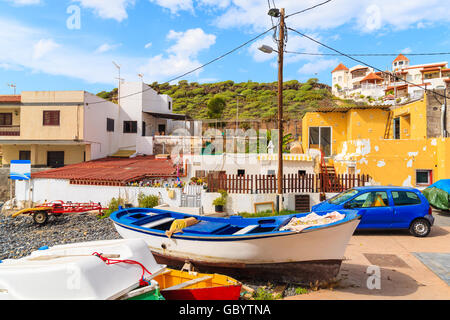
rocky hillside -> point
(256, 100)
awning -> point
(172, 116)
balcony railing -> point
(10, 131)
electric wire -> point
(307, 9)
(366, 64)
(198, 68)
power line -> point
(366, 64)
(307, 9)
(370, 54)
(200, 67)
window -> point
(424, 177)
(405, 198)
(55, 159)
(109, 125)
(240, 172)
(397, 128)
(170, 105)
(320, 138)
(270, 172)
(5, 119)
(51, 118)
(301, 172)
(144, 131)
(369, 200)
(24, 155)
(130, 127)
(342, 197)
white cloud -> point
(175, 5)
(148, 45)
(181, 56)
(406, 50)
(43, 47)
(57, 59)
(311, 68)
(106, 47)
(108, 9)
(24, 2)
(367, 16)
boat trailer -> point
(57, 208)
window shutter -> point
(51, 118)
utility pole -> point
(280, 111)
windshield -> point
(342, 197)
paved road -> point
(442, 218)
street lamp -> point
(267, 49)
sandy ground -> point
(403, 276)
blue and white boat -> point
(258, 248)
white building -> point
(404, 81)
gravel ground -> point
(20, 236)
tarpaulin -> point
(438, 194)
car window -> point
(405, 198)
(344, 196)
(369, 200)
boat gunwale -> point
(231, 237)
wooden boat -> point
(252, 248)
(99, 270)
(183, 285)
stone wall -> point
(434, 105)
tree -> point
(216, 106)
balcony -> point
(10, 131)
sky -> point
(71, 44)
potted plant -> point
(221, 201)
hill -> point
(257, 100)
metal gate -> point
(191, 196)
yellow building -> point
(54, 128)
(401, 145)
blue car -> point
(385, 208)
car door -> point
(407, 207)
(374, 209)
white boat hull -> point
(328, 243)
(71, 272)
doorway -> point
(55, 159)
(320, 138)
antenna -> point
(12, 85)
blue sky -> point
(165, 38)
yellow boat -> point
(183, 285)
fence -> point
(292, 183)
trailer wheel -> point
(40, 217)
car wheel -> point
(420, 228)
(40, 217)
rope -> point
(109, 261)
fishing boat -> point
(98, 270)
(184, 285)
(244, 248)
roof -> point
(111, 171)
(340, 67)
(372, 76)
(346, 109)
(173, 116)
(360, 68)
(442, 64)
(430, 69)
(401, 57)
(403, 86)
(10, 98)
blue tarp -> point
(443, 184)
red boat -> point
(183, 285)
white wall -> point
(102, 143)
(249, 162)
(59, 189)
